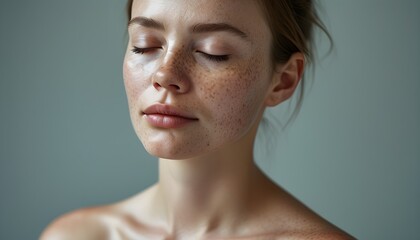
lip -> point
(166, 116)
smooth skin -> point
(209, 185)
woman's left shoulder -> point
(296, 221)
(314, 235)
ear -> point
(285, 79)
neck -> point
(211, 193)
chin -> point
(172, 151)
(174, 144)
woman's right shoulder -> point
(88, 223)
(108, 222)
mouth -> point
(166, 116)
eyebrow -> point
(198, 28)
(146, 22)
(218, 27)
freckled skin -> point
(226, 97)
(213, 189)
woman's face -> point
(196, 73)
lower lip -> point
(167, 121)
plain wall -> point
(66, 141)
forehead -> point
(244, 14)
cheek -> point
(235, 99)
(135, 84)
(135, 79)
(130, 87)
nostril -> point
(175, 86)
(156, 85)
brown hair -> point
(291, 23)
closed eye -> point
(142, 51)
(215, 58)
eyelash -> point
(214, 58)
(142, 51)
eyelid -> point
(214, 57)
(146, 40)
(211, 57)
(139, 50)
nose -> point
(172, 75)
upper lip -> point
(167, 110)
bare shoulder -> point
(333, 236)
(88, 223)
(317, 228)
(321, 235)
(109, 222)
(294, 220)
(317, 233)
(313, 228)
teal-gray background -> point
(66, 141)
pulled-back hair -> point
(292, 24)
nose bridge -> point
(176, 58)
(174, 61)
(172, 73)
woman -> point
(198, 76)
